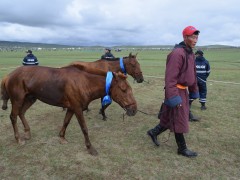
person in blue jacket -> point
(108, 55)
(30, 59)
(203, 71)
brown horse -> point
(130, 65)
(72, 87)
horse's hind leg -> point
(66, 121)
(28, 102)
(83, 126)
(13, 117)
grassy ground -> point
(125, 151)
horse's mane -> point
(112, 59)
(95, 70)
(87, 69)
(117, 59)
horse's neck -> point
(114, 66)
(97, 88)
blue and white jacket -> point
(202, 68)
(30, 59)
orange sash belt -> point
(181, 86)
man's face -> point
(191, 41)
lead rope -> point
(154, 116)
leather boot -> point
(153, 133)
(193, 118)
(203, 107)
(182, 147)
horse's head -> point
(121, 93)
(133, 67)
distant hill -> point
(21, 45)
(12, 44)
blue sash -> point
(107, 99)
(122, 66)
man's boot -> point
(153, 133)
(193, 118)
(182, 147)
(203, 107)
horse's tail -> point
(4, 94)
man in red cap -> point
(180, 85)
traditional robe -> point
(181, 70)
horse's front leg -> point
(66, 121)
(102, 112)
(82, 123)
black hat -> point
(107, 48)
(29, 51)
(199, 52)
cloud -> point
(118, 22)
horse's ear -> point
(130, 55)
(121, 75)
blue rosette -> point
(107, 99)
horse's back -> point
(99, 64)
(54, 86)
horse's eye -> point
(133, 64)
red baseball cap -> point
(190, 30)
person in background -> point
(180, 84)
(203, 71)
(108, 55)
(30, 59)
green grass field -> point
(125, 151)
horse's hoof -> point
(4, 107)
(104, 118)
(63, 141)
(20, 142)
(27, 135)
(93, 151)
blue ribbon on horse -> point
(107, 99)
(122, 66)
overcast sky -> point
(119, 22)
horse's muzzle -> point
(139, 78)
(131, 110)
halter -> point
(122, 66)
(107, 99)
